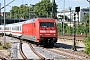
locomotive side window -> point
(46, 24)
(34, 25)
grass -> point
(1, 47)
(6, 47)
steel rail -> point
(21, 52)
(42, 58)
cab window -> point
(46, 24)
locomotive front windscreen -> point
(46, 24)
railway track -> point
(60, 51)
(30, 45)
(21, 51)
(78, 36)
(78, 39)
(69, 54)
(41, 57)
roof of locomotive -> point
(29, 21)
(32, 20)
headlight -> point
(40, 34)
(54, 34)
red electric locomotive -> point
(40, 30)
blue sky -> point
(60, 3)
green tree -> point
(23, 11)
(14, 11)
(43, 8)
(86, 23)
(59, 28)
(86, 18)
(81, 29)
(66, 28)
(19, 12)
(54, 9)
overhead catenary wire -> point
(7, 4)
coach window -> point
(6, 28)
(9, 28)
(0, 28)
(13, 28)
(17, 28)
(20, 28)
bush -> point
(87, 45)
